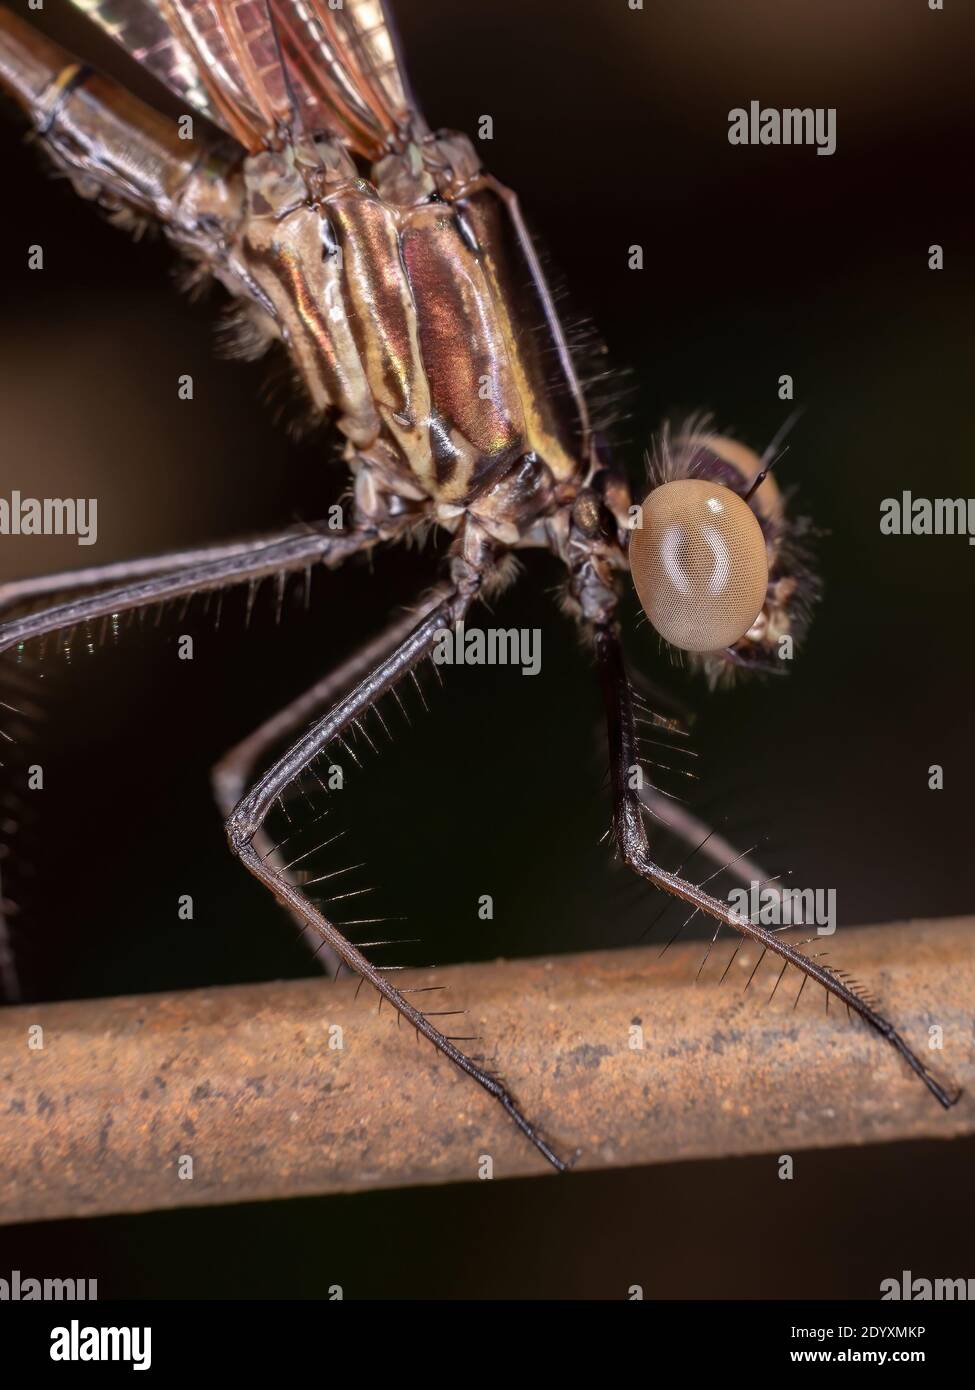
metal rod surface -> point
(250, 1083)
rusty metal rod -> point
(294, 1088)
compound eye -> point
(699, 564)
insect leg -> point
(235, 564)
(154, 580)
(119, 572)
(249, 815)
(229, 776)
(634, 846)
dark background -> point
(611, 124)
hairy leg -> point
(243, 562)
(121, 572)
(249, 816)
(634, 846)
(230, 775)
(149, 581)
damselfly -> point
(399, 278)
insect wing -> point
(257, 68)
(150, 32)
(221, 55)
(347, 67)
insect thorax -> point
(412, 309)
